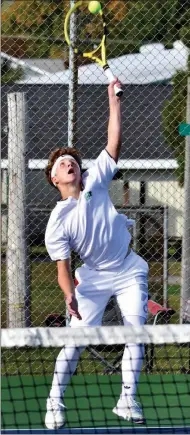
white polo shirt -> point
(90, 226)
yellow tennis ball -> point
(94, 7)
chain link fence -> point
(148, 49)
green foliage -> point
(10, 75)
(40, 20)
(184, 32)
(174, 113)
(132, 23)
(146, 21)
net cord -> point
(85, 336)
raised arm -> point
(114, 126)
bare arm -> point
(114, 126)
(66, 283)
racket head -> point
(91, 29)
(91, 37)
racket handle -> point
(111, 78)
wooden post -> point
(17, 258)
(4, 198)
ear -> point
(54, 179)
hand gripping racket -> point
(90, 25)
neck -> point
(70, 190)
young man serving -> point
(86, 221)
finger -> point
(118, 83)
(75, 314)
(113, 82)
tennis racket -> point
(89, 25)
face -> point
(68, 172)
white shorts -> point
(129, 284)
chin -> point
(73, 178)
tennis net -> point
(28, 358)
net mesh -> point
(29, 356)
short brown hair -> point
(54, 156)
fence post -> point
(72, 104)
(17, 258)
(185, 288)
(165, 258)
(4, 198)
(73, 81)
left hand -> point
(111, 91)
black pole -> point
(142, 219)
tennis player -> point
(85, 221)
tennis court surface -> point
(28, 358)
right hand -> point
(111, 91)
(72, 306)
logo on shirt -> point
(88, 195)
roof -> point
(152, 64)
(48, 112)
(51, 66)
(29, 69)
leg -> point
(65, 366)
(133, 302)
(92, 299)
(132, 361)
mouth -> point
(71, 171)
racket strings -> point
(90, 31)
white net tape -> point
(85, 336)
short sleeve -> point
(103, 169)
(57, 244)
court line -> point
(102, 430)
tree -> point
(174, 112)
(8, 74)
(39, 22)
(144, 22)
(130, 24)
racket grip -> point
(111, 78)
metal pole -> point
(73, 81)
(185, 288)
(135, 235)
(165, 258)
(142, 218)
(72, 104)
(17, 259)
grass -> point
(46, 296)
(167, 359)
